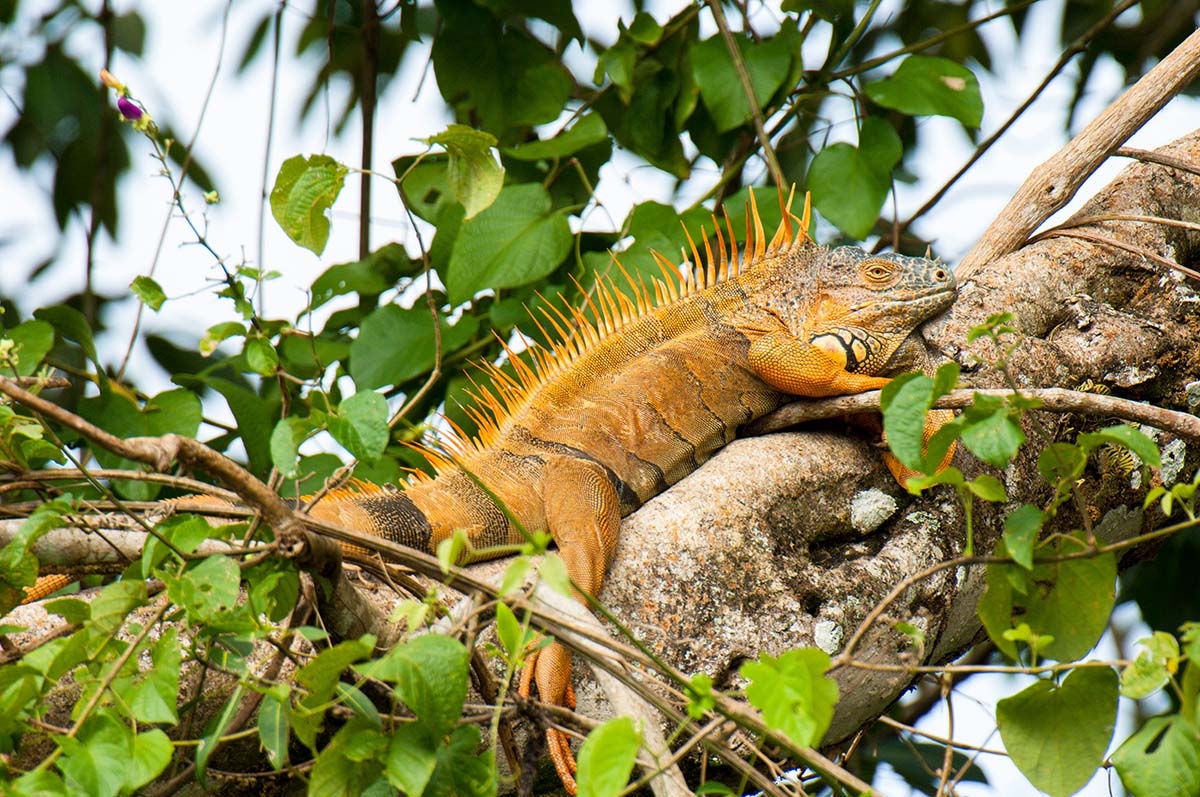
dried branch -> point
(1053, 400)
(160, 452)
(1057, 400)
(1161, 158)
(1054, 183)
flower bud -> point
(129, 109)
(107, 79)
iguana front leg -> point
(583, 515)
(798, 367)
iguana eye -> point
(877, 271)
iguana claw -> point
(554, 687)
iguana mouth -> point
(928, 297)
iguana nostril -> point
(939, 275)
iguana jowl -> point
(644, 391)
(642, 396)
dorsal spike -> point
(708, 254)
(696, 261)
(806, 219)
(760, 239)
(671, 277)
(734, 265)
(722, 252)
(783, 233)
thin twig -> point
(1108, 240)
(1161, 159)
(183, 170)
(159, 452)
(947, 689)
(900, 726)
(739, 66)
(1052, 399)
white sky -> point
(174, 75)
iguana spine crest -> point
(612, 310)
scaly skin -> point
(646, 396)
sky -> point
(184, 52)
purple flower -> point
(129, 109)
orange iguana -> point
(643, 392)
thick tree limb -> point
(1051, 185)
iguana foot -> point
(550, 668)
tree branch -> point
(1053, 400)
(1052, 184)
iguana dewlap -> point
(642, 392)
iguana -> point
(642, 391)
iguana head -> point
(857, 305)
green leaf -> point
(319, 678)
(1162, 759)
(461, 770)
(87, 763)
(905, 401)
(305, 189)
(150, 755)
(879, 145)
(793, 693)
(274, 719)
(1071, 601)
(606, 758)
(374, 274)
(33, 340)
(514, 574)
(516, 241)
(348, 765)
(219, 332)
(1057, 735)
(173, 412)
(206, 588)
(508, 631)
(260, 356)
(847, 189)
(995, 439)
(215, 730)
(589, 129)
(1124, 435)
(394, 345)
(149, 291)
(255, 418)
(39, 783)
(645, 29)
(927, 86)
(553, 572)
(473, 173)
(1021, 530)
(1155, 664)
(152, 696)
(430, 673)
(71, 324)
(496, 73)
(361, 425)
(767, 63)
(410, 759)
(285, 444)
(987, 487)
